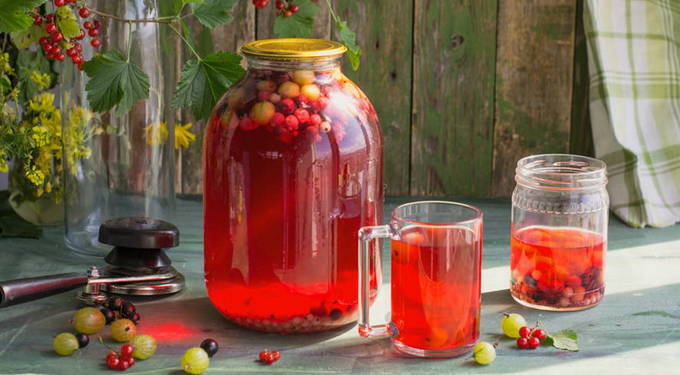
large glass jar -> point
(559, 232)
(292, 170)
(119, 164)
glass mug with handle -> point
(436, 249)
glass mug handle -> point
(366, 235)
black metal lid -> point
(139, 233)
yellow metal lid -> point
(293, 48)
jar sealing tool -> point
(137, 265)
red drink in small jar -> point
(557, 268)
(436, 288)
(292, 170)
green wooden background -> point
(463, 88)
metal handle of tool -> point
(13, 292)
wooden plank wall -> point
(463, 88)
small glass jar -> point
(292, 170)
(559, 232)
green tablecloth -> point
(634, 330)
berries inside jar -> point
(292, 171)
(557, 268)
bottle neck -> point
(317, 64)
(561, 172)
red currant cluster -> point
(284, 8)
(268, 358)
(121, 361)
(530, 338)
(56, 43)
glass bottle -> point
(559, 232)
(119, 164)
(292, 170)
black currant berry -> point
(108, 314)
(135, 317)
(83, 339)
(115, 303)
(210, 346)
(128, 309)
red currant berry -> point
(44, 41)
(87, 25)
(84, 12)
(51, 28)
(71, 52)
(277, 120)
(276, 355)
(49, 18)
(60, 57)
(123, 365)
(522, 343)
(131, 361)
(263, 355)
(302, 115)
(292, 122)
(57, 37)
(113, 363)
(37, 20)
(97, 24)
(59, 3)
(78, 47)
(95, 43)
(269, 358)
(315, 120)
(50, 56)
(126, 350)
(80, 36)
(534, 342)
(525, 332)
(77, 59)
(294, 8)
(279, 4)
(287, 13)
(538, 333)
(286, 106)
(93, 32)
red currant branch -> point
(121, 19)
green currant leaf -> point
(300, 24)
(349, 39)
(24, 38)
(203, 82)
(67, 22)
(28, 62)
(114, 81)
(213, 13)
(565, 339)
(14, 15)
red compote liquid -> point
(557, 268)
(436, 288)
(292, 171)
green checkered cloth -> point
(634, 65)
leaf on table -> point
(67, 22)
(349, 39)
(28, 62)
(658, 313)
(213, 13)
(11, 224)
(565, 339)
(14, 15)
(115, 81)
(203, 82)
(300, 24)
(25, 38)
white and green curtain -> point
(634, 65)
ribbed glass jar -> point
(292, 170)
(559, 232)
